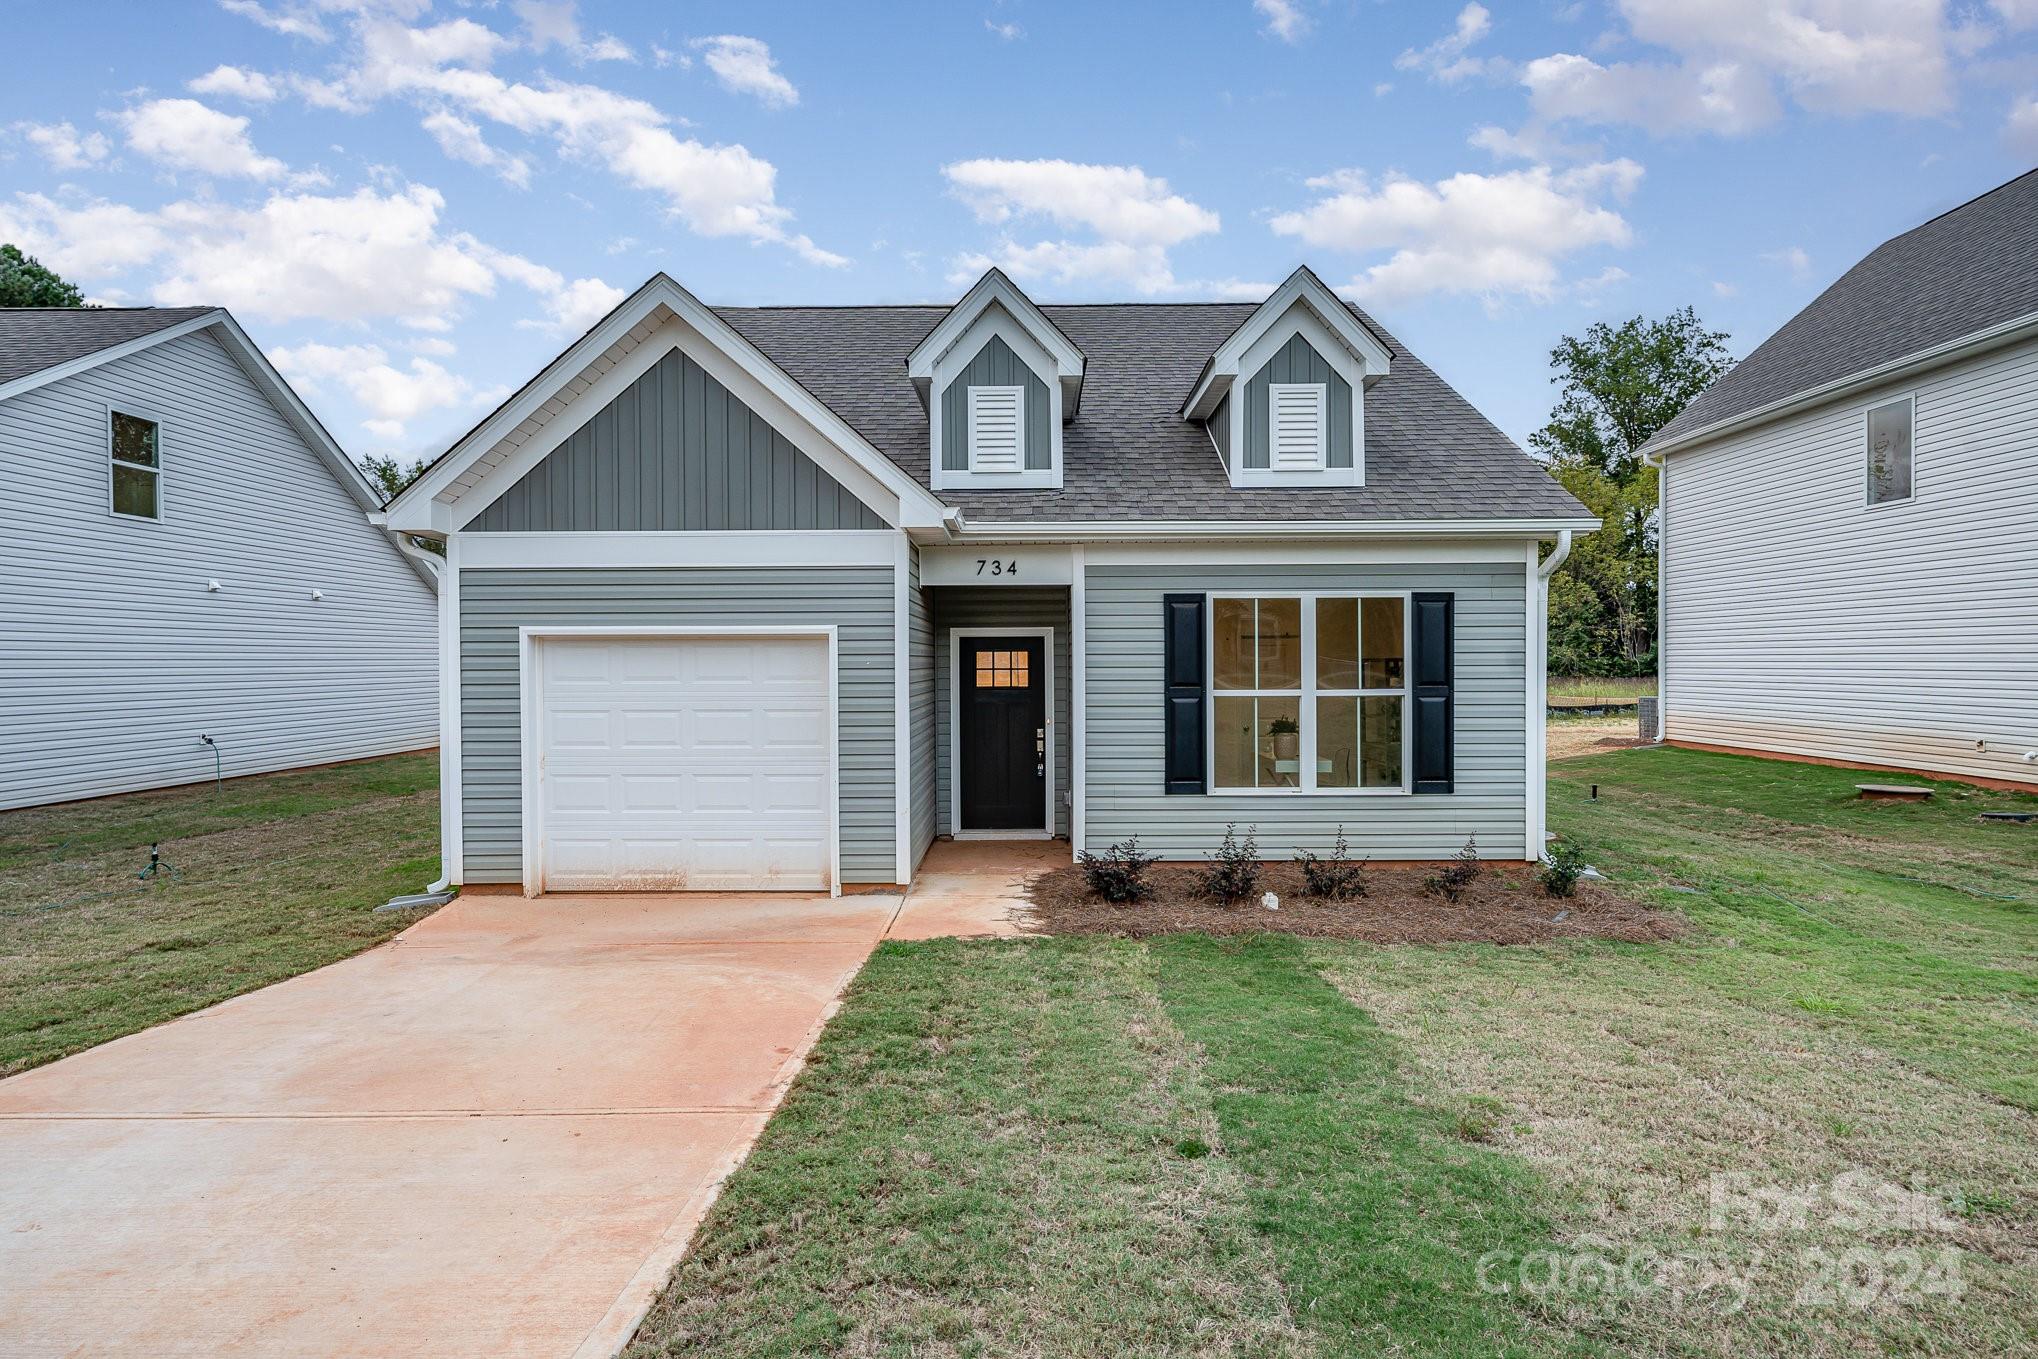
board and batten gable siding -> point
(1123, 721)
(117, 656)
(995, 365)
(675, 451)
(495, 603)
(923, 671)
(1799, 619)
(1297, 361)
(1001, 606)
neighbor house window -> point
(1299, 412)
(997, 424)
(137, 466)
(1308, 693)
(1889, 452)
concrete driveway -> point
(492, 1136)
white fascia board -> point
(916, 504)
(743, 548)
(1267, 530)
(995, 289)
(1305, 289)
(42, 377)
(1896, 370)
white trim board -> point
(753, 548)
(452, 799)
(955, 827)
(902, 710)
(530, 735)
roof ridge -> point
(1960, 207)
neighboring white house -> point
(185, 552)
(1850, 516)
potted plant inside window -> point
(1287, 734)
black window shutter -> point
(1182, 667)
(1431, 678)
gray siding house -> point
(1849, 540)
(774, 597)
(184, 551)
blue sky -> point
(412, 205)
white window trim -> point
(532, 733)
(955, 828)
(137, 412)
(1018, 395)
(1319, 394)
(1868, 500)
(994, 321)
(1306, 695)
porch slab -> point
(975, 889)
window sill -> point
(1040, 479)
(1307, 793)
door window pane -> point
(1231, 643)
(1337, 742)
(1383, 668)
(1280, 644)
(1380, 742)
(1337, 643)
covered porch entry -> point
(1002, 668)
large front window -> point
(1308, 693)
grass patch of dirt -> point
(1504, 906)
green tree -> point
(392, 478)
(1620, 384)
(26, 282)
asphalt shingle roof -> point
(35, 338)
(1129, 455)
(1961, 272)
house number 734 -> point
(997, 566)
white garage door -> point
(697, 763)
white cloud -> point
(1485, 235)
(1006, 31)
(1725, 97)
(188, 135)
(291, 21)
(1285, 19)
(572, 305)
(1729, 59)
(64, 147)
(1793, 258)
(90, 241)
(714, 190)
(1135, 216)
(392, 397)
(744, 66)
(2020, 129)
(2017, 14)
(1448, 59)
(234, 83)
(462, 140)
(550, 23)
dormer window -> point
(1299, 426)
(1284, 397)
(997, 429)
(1000, 380)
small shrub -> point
(1118, 874)
(1236, 873)
(1455, 878)
(1336, 878)
(1565, 865)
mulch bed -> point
(1505, 906)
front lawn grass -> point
(1268, 1145)
(269, 876)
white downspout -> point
(1539, 657)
